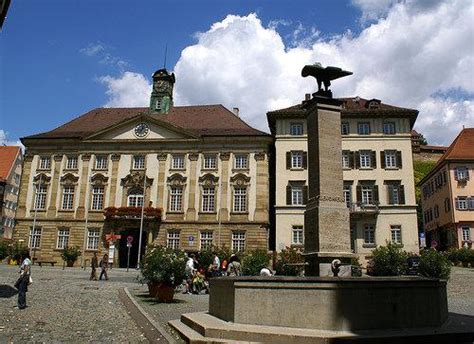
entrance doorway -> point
(123, 249)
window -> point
(297, 235)
(297, 159)
(389, 128)
(296, 129)
(98, 198)
(240, 199)
(238, 241)
(17, 178)
(138, 162)
(172, 240)
(363, 128)
(346, 159)
(158, 104)
(206, 239)
(436, 211)
(45, 163)
(71, 163)
(241, 161)
(296, 194)
(466, 233)
(135, 198)
(367, 194)
(344, 128)
(68, 198)
(447, 205)
(347, 192)
(369, 235)
(353, 238)
(208, 199)
(35, 238)
(93, 236)
(365, 161)
(176, 198)
(210, 162)
(462, 174)
(391, 159)
(63, 238)
(461, 203)
(396, 232)
(101, 162)
(177, 163)
(40, 199)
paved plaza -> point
(64, 306)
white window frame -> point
(210, 162)
(208, 199)
(238, 241)
(35, 237)
(297, 235)
(462, 203)
(158, 104)
(71, 163)
(369, 234)
(346, 159)
(466, 233)
(44, 163)
(176, 199)
(206, 239)
(68, 197)
(40, 196)
(241, 161)
(389, 128)
(347, 194)
(390, 159)
(63, 238)
(396, 234)
(296, 129)
(172, 239)
(367, 193)
(296, 159)
(363, 128)
(297, 195)
(101, 162)
(461, 173)
(365, 158)
(93, 238)
(97, 197)
(240, 199)
(177, 162)
(395, 194)
(138, 162)
(135, 200)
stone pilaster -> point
(24, 186)
(161, 179)
(115, 159)
(82, 188)
(54, 186)
(224, 183)
(191, 211)
(261, 209)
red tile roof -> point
(200, 120)
(8, 154)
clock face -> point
(142, 130)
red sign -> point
(129, 239)
(112, 237)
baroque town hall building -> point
(201, 172)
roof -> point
(200, 120)
(8, 155)
(460, 150)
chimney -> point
(236, 111)
(307, 96)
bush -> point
(463, 255)
(17, 251)
(453, 256)
(388, 260)
(206, 255)
(70, 254)
(3, 249)
(290, 262)
(434, 264)
(163, 265)
(254, 261)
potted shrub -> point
(290, 262)
(163, 269)
(70, 255)
(463, 256)
(434, 264)
(254, 261)
(388, 260)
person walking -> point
(104, 265)
(23, 281)
(94, 265)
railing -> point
(360, 207)
(132, 212)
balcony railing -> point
(364, 208)
(132, 213)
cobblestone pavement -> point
(461, 291)
(64, 306)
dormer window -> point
(374, 104)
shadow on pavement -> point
(7, 291)
(154, 301)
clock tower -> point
(161, 99)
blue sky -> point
(60, 59)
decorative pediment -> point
(41, 178)
(240, 179)
(99, 179)
(176, 179)
(135, 179)
(208, 179)
(69, 179)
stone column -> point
(24, 186)
(191, 211)
(327, 230)
(82, 188)
(160, 202)
(115, 158)
(224, 184)
(54, 186)
(261, 210)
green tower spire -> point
(161, 100)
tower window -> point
(158, 104)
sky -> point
(60, 59)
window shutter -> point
(288, 160)
(470, 203)
(288, 194)
(467, 174)
(457, 203)
(456, 174)
(351, 160)
(401, 194)
(444, 177)
(390, 194)
(357, 159)
(305, 160)
(382, 159)
(373, 159)
(305, 194)
(399, 159)
(359, 193)
(376, 193)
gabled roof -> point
(8, 155)
(200, 120)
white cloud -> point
(5, 141)
(409, 57)
(102, 52)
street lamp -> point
(86, 214)
(32, 241)
(141, 220)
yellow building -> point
(200, 172)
